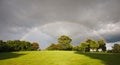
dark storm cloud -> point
(80, 19)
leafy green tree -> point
(1, 45)
(94, 45)
(25, 46)
(102, 45)
(35, 46)
(17, 45)
(116, 48)
(76, 48)
(52, 47)
(64, 39)
(84, 46)
(64, 42)
(10, 45)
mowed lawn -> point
(58, 58)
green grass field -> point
(58, 58)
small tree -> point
(84, 46)
(116, 48)
(64, 42)
(102, 45)
(93, 44)
(35, 46)
(52, 47)
(76, 48)
(3, 46)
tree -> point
(10, 45)
(76, 48)
(17, 45)
(102, 45)
(35, 46)
(64, 42)
(52, 47)
(84, 46)
(1, 45)
(116, 48)
(93, 44)
(64, 39)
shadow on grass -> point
(9, 55)
(107, 58)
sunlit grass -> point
(51, 58)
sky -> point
(43, 21)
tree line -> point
(90, 45)
(17, 45)
(115, 49)
(64, 43)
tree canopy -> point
(17, 45)
(116, 48)
(93, 45)
(64, 43)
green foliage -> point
(17, 45)
(3, 46)
(92, 44)
(52, 47)
(35, 46)
(116, 48)
(102, 45)
(63, 44)
(76, 48)
(84, 46)
(64, 40)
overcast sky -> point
(44, 21)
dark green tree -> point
(102, 45)
(116, 48)
(92, 44)
(2, 46)
(35, 46)
(84, 46)
(10, 45)
(52, 47)
(76, 48)
(25, 46)
(65, 42)
(17, 45)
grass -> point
(58, 58)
